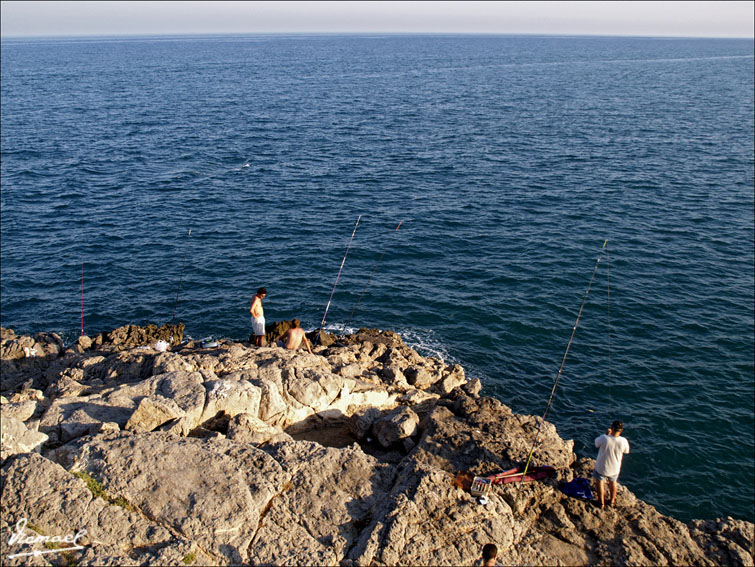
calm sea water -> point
(509, 161)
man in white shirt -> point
(611, 448)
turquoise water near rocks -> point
(509, 161)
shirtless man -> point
(258, 317)
(294, 337)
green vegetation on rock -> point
(96, 488)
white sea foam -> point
(338, 329)
(427, 343)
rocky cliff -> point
(117, 453)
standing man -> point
(258, 317)
(611, 448)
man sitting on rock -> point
(293, 338)
(611, 448)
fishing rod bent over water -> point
(183, 265)
(369, 281)
(560, 370)
(322, 323)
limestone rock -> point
(67, 385)
(206, 473)
(394, 357)
(452, 377)
(483, 436)
(418, 398)
(395, 426)
(170, 362)
(272, 407)
(725, 540)
(70, 418)
(396, 537)
(300, 528)
(84, 343)
(360, 423)
(325, 339)
(311, 388)
(212, 493)
(245, 428)
(15, 438)
(54, 502)
(24, 359)
(14, 348)
(128, 366)
(181, 427)
(22, 411)
(7, 334)
(375, 337)
(233, 398)
(394, 375)
(350, 370)
(186, 389)
(130, 336)
(152, 413)
(26, 395)
(473, 387)
(42, 345)
(420, 377)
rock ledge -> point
(242, 455)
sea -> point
(157, 179)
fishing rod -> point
(368, 283)
(183, 265)
(561, 369)
(82, 297)
(322, 323)
(610, 329)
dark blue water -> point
(510, 160)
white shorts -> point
(258, 325)
(601, 477)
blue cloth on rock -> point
(578, 488)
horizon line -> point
(359, 33)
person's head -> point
(295, 323)
(489, 552)
(617, 426)
(261, 292)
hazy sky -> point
(702, 19)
